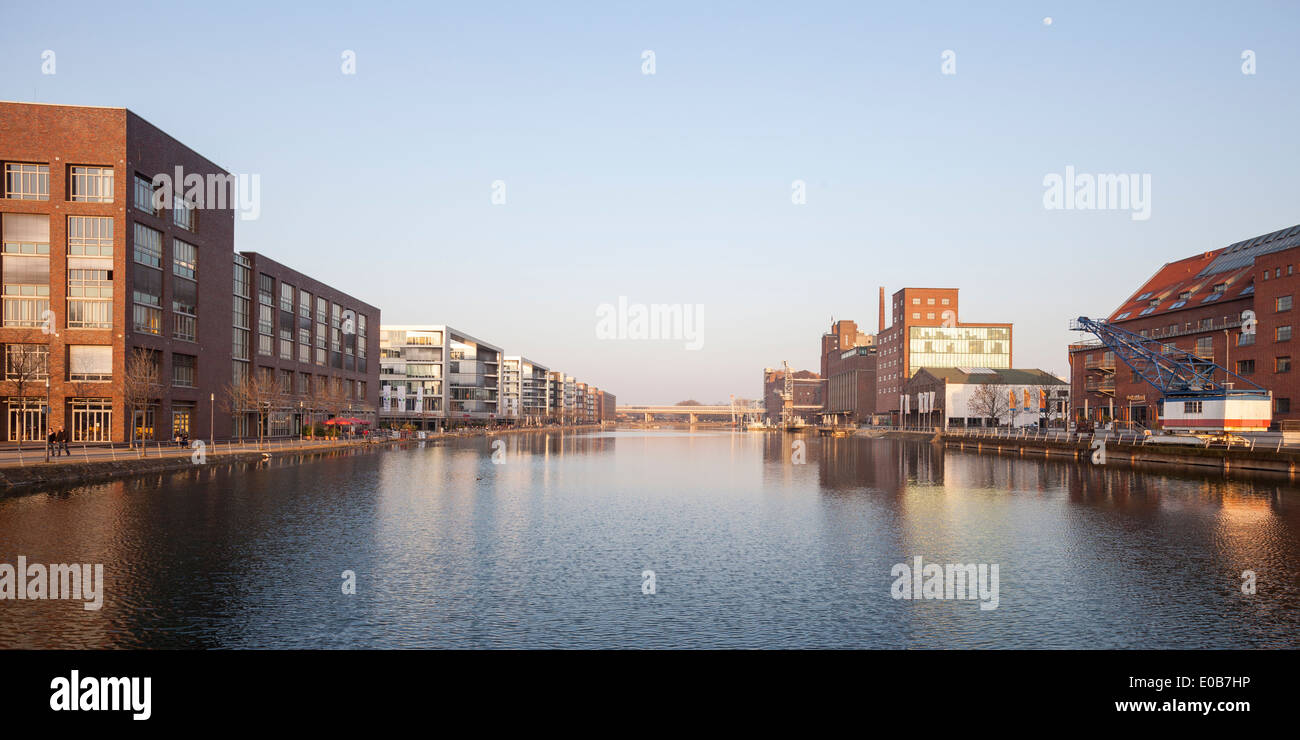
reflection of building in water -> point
(887, 465)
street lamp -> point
(46, 416)
(212, 423)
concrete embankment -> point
(69, 473)
(1150, 455)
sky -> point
(678, 187)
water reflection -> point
(540, 540)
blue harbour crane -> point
(1213, 396)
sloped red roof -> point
(1176, 286)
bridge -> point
(693, 413)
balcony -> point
(1106, 387)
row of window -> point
(30, 181)
(30, 363)
(341, 332)
(92, 184)
(290, 383)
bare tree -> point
(989, 401)
(141, 384)
(257, 392)
(263, 394)
(25, 366)
(234, 401)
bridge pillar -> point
(692, 416)
(648, 417)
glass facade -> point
(959, 346)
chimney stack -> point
(882, 308)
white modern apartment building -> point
(524, 390)
(432, 373)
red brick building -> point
(808, 394)
(98, 263)
(1231, 305)
(848, 363)
(926, 331)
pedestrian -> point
(63, 442)
(49, 443)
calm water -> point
(748, 549)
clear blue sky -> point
(676, 187)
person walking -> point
(49, 443)
(63, 442)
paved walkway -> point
(33, 453)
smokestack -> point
(882, 308)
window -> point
(184, 214)
(90, 184)
(265, 329)
(185, 258)
(1282, 364)
(1284, 303)
(916, 315)
(182, 417)
(1245, 367)
(27, 181)
(1205, 347)
(184, 370)
(1282, 405)
(1283, 333)
(265, 290)
(90, 236)
(148, 246)
(916, 301)
(27, 362)
(185, 297)
(286, 297)
(92, 419)
(929, 301)
(90, 293)
(243, 277)
(1220, 287)
(26, 268)
(242, 313)
(945, 301)
(26, 233)
(144, 195)
(90, 362)
(1244, 339)
(361, 340)
(304, 304)
(147, 298)
(1192, 407)
(929, 315)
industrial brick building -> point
(808, 392)
(849, 359)
(100, 266)
(1232, 305)
(927, 331)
